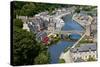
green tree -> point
(42, 58)
(28, 9)
(18, 23)
(25, 47)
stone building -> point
(51, 25)
(84, 52)
(87, 30)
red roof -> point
(45, 40)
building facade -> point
(84, 52)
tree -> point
(77, 10)
(28, 9)
(17, 23)
(42, 58)
(25, 47)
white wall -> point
(84, 54)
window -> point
(86, 57)
(80, 53)
(74, 58)
(89, 56)
(93, 51)
(80, 57)
(93, 56)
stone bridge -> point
(67, 32)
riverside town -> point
(45, 33)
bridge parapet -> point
(67, 32)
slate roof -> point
(41, 35)
(79, 60)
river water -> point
(71, 24)
(55, 50)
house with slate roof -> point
(84, 52)
(40, 36)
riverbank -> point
(66, 55)
(82, 21)
(78, 21)
(56, 50)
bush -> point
(61, 61)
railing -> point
(66, 32)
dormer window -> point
(89, 49)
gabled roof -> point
(45, 40)
(79, 60)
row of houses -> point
(41, 20)
(86, 52)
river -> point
(55, 50)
